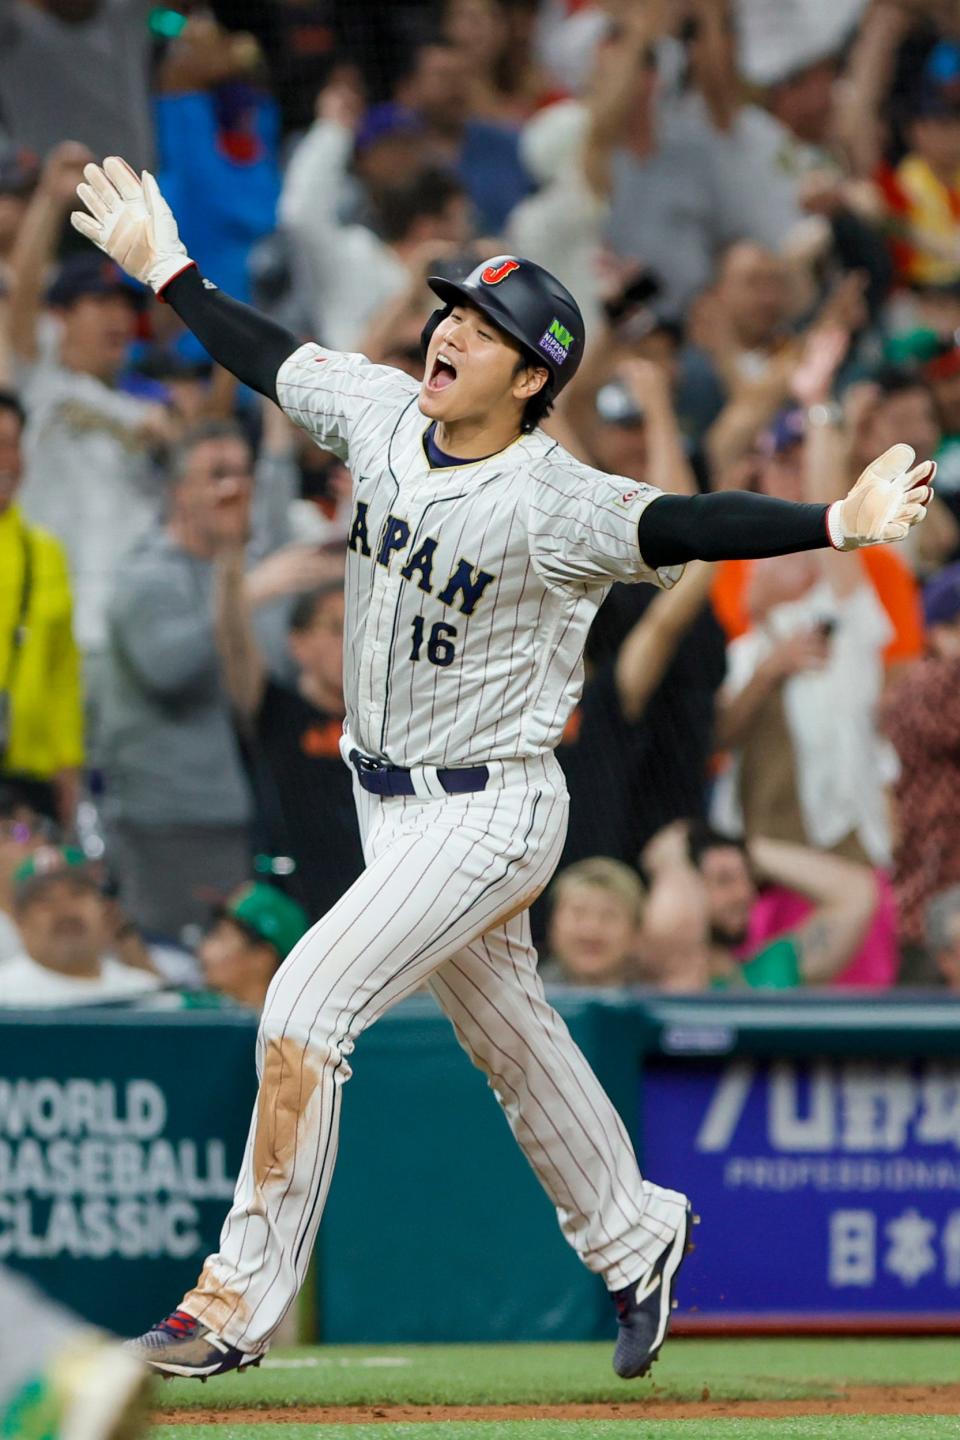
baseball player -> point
(479, 551)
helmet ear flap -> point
(426, 334)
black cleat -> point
(643, 1308)
(181, 1345)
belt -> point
(382, 778)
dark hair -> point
(428, 193)
(413, 54)
(27, 892)
(304, 611)
(702, 837)
(538, 407)
(896, 380)
(10, 402)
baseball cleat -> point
(644, 1308)
(181, 1345)
(92, 1390)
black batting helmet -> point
(528, 303)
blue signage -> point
(827, 1188)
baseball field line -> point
(900, 1400)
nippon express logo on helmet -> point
(556, 342)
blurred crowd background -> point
(757, 204)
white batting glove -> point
(887, 500)
(131, 222)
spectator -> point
(634, 753)
(941, 370)
(22, 832)
(350, 271)
(942, 933)
(505, 83)
(901, 403)
(595, 918)
(782, 39)
(811, 665)
(19, 172)
(485, 156)
(177, 800)
(923, 193)
(217, 139)
(747, 345)
(635, 750)
(920, 716)
(704, 886)
(839, 441)
(41, 719)
(304, 789)
(251, 937)
(665, 207)
(60, 912)
(561, 225)
(750, 150)
(78, 67)
(90, 477)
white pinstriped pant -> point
(443, 899)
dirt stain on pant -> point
(215, 1304)
(287, 1085)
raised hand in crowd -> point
(37, 239)
(292, 571)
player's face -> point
(730, 893)
(592, 935)
(471, 371)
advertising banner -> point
(120, 1138)
(828, 1188)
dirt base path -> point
(853, 1400)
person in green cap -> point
(251, 936)
(66, 957)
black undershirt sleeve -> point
(247, 344)
(730, 525)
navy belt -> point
(382, 778)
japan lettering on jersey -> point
(469, 589)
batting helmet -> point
(528, 303)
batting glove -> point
(887, 500)
(131, 222)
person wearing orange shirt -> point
(304, 792)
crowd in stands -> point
(757, 205)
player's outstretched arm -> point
(889, 498)
(128, 218)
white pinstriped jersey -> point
(469, 589)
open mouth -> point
(443, 374)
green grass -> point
(828, 1428)
(788, 1369)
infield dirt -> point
(851, 1400)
